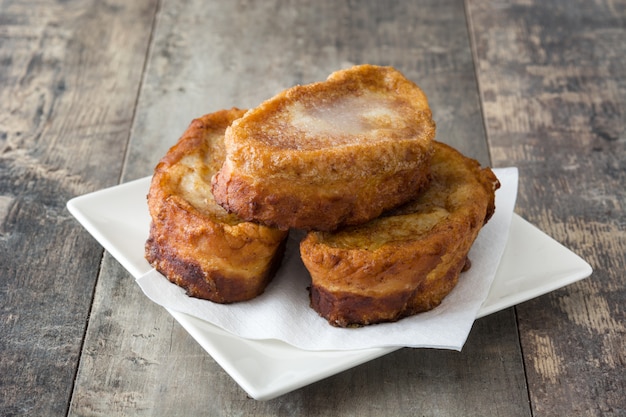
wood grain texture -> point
(67, 94)
(77, 336)
(243, 52)
(138, 360)
(553, 84)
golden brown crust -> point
(323, 155)
(407, 260)
(193, 241)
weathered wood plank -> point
(211, 55)
(69, 78)
(552, 76)
(242, 53)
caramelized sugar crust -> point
(406, 261)
(328, 154)
(193, 241)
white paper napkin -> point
(282, 312)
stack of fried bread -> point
(390, 213)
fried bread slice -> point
(406, 261)
(328, 154)
(193, 241)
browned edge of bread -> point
(193, 241)
(279, 173)
(374, 273)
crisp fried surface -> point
(333, 153)
(407, 260)
(193, 241)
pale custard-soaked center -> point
(194, 185)
(385, 230)
(367, 117)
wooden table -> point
(93, 93)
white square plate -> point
(532, 264)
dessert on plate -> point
(407, 260)
(329, 154)
(193, 241)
